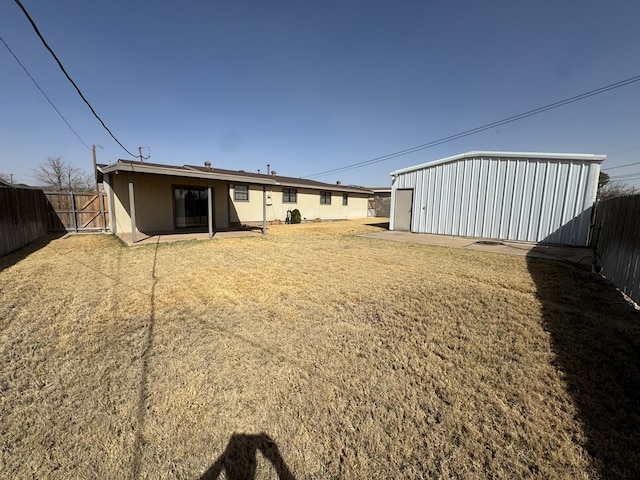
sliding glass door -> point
(191, 206)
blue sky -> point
(308, 86)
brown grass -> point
(310, 351)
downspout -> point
(264, 209)
(132, 209)
(111, 203)
(210, 209)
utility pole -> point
(11, 175)
(142, 159)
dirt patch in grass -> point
(310, 352)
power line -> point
(628, 176)
(621, 166)
(482, 128)
(43, 93)
(33, 24)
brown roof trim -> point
(128, 166)
(287, 181)
(236, 176)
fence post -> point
(73, 212)
(104, 220)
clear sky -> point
(308, 86)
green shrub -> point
(296, 217)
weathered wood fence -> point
(23, 217)
(77, 212)
(616, 238)
(28, 213)
(379, 205)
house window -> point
(325, 198)
(345, 199)
(289, 195)
(241, 192)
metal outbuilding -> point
(529, 197)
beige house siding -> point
(308, 202)
(154, 187)
(154, 201)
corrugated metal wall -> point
(525, 199)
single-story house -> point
(530, 197)
(152, 198)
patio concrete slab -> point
(143, 238)
(574, 255)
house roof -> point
(582, 157)
(5, 184)
(233, 176)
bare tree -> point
(610, 189)
(615, 189)
(57, 174)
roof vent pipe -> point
(268, 169)
(207, 165)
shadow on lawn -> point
(595, 336)
(239, 460)
(381, 225)
(143, 391)
(12, 258)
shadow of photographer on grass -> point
(239, 461)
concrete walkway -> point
(554, 252)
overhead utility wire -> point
(482, 128)
(43, 93)
(68, 77)
(629, 175)
(620, 166)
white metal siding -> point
(533, 199)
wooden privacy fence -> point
(616, 238)
(77, 212)
(23, 217)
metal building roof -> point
(583, 157)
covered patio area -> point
(160, 203)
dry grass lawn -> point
(310, 353)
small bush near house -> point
(296, 217)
